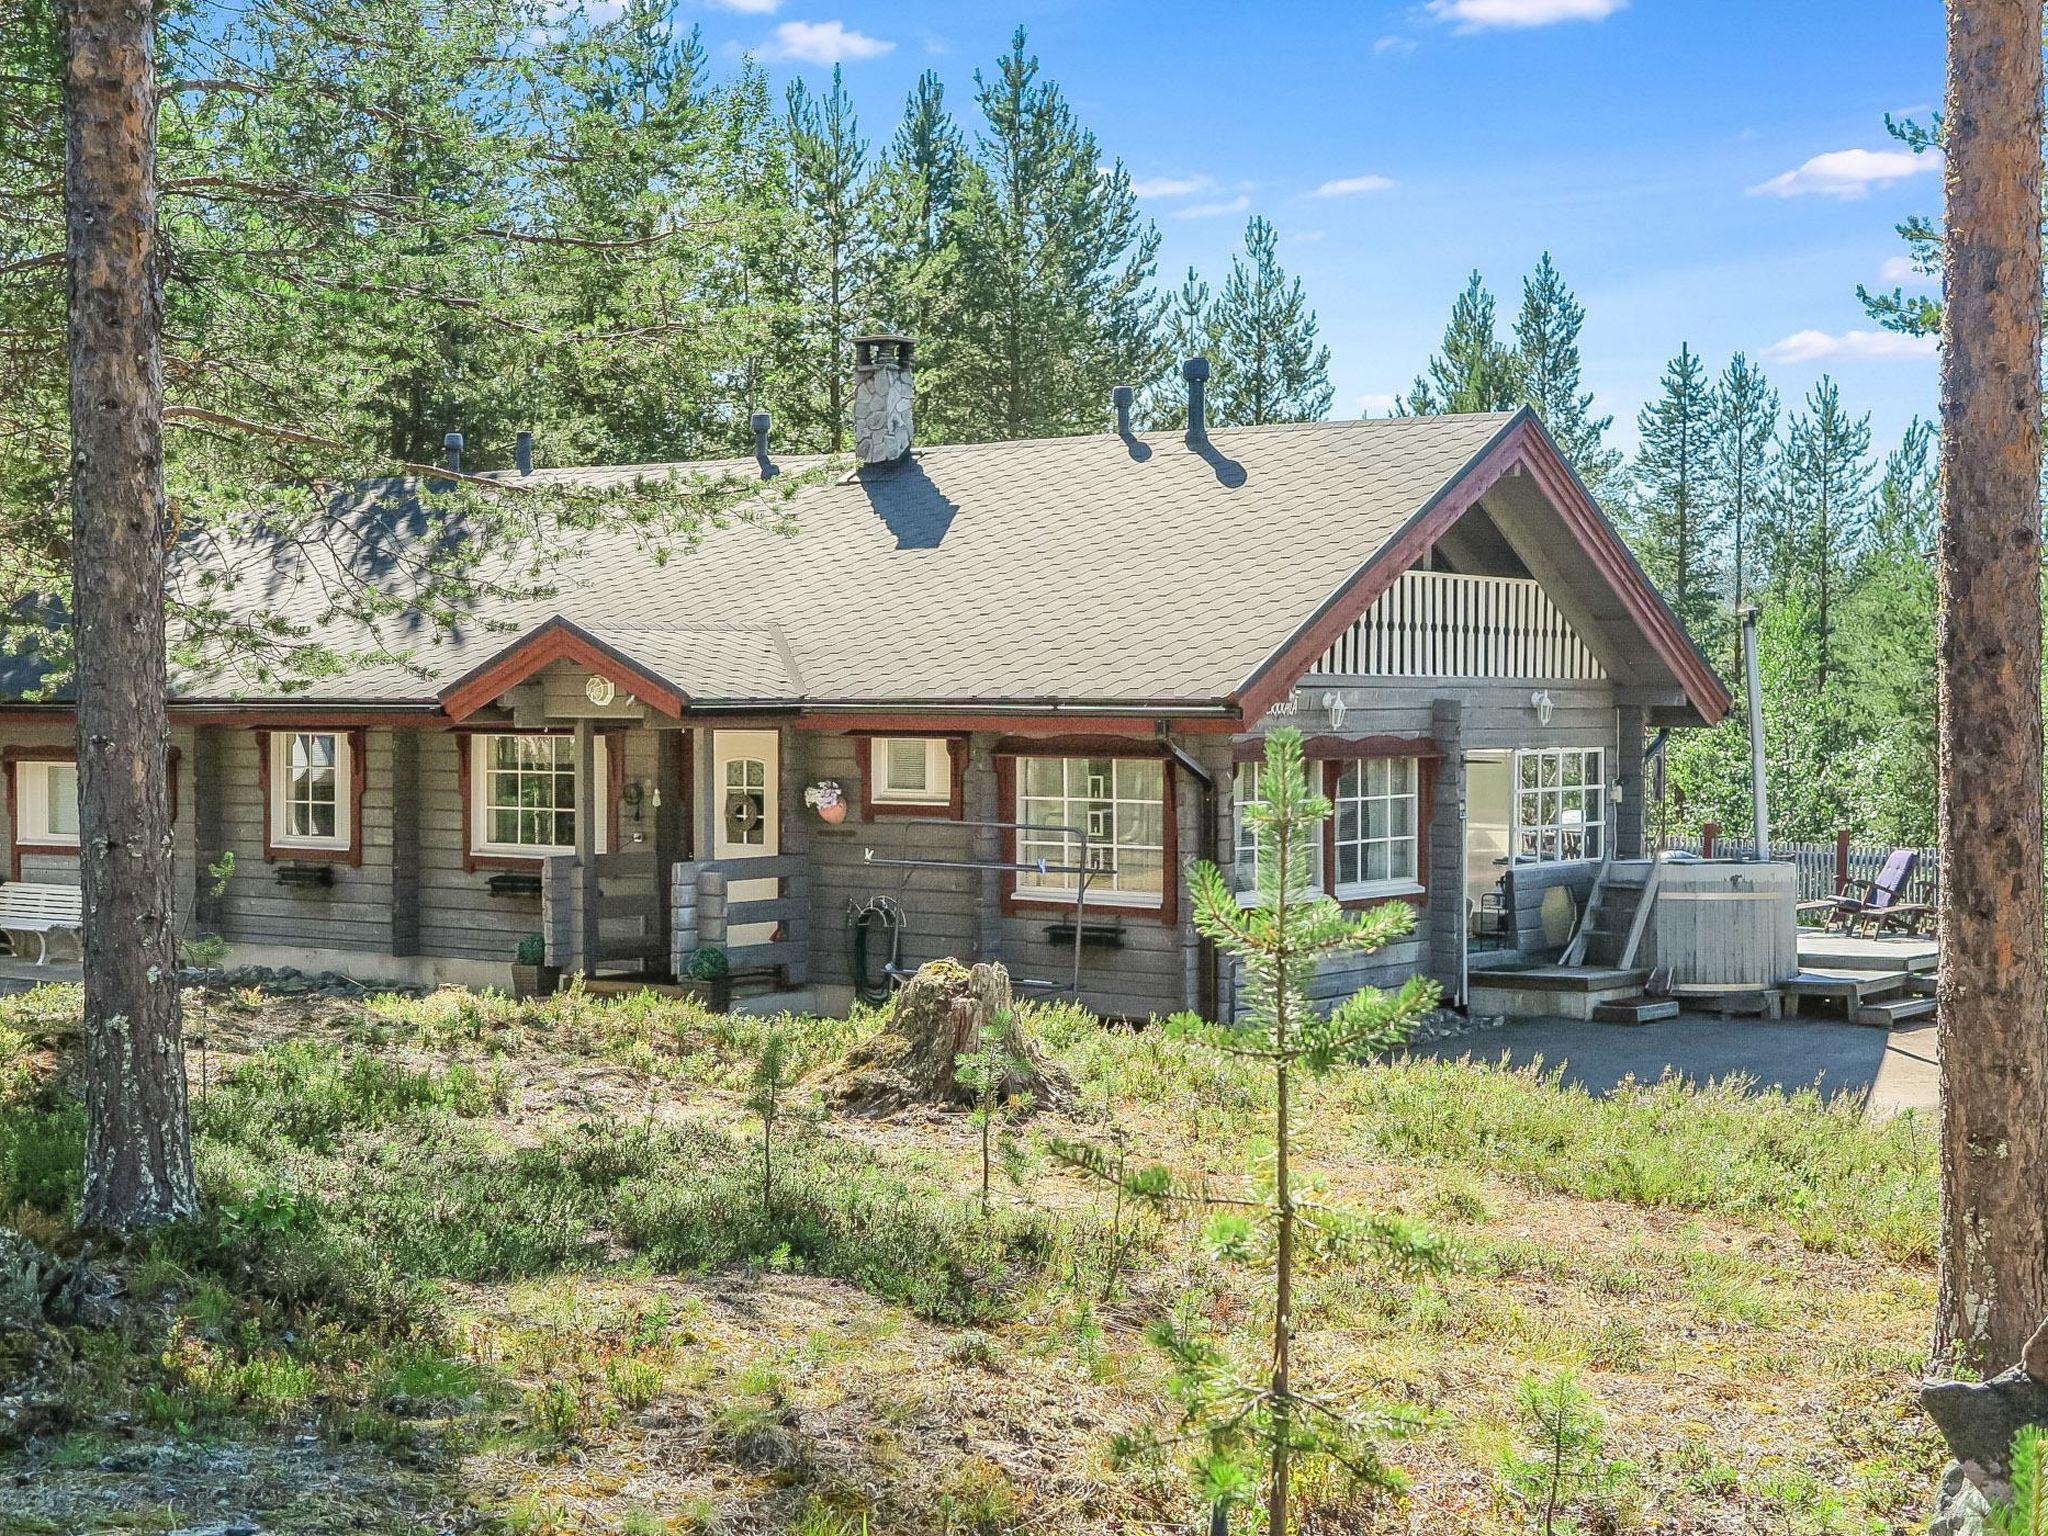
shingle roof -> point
(1086, 570)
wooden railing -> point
(705, 912)
(1437, 624)
(1823, 866)
(627, 932)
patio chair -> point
(1869, 902)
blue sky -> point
(1706, 171)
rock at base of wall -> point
(1960, 1508)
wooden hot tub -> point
(1726, 924)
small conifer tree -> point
(983, 1071)
(771, 1082)
(1235, 1424)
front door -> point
(746, 808)
(1489, 842)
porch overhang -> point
(557, 640)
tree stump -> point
(942, 1013)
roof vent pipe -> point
(522, 452)
(1196, 371)
(760, 421)
(1120, 397)
(453, 443)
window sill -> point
(1379, 890)
(1105, 902)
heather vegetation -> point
(472, 1263)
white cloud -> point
(1900, 270)
(1307, 236)
(1351, 186)
(1376, 405)
(1483, 15)
(1849, 347)
(1236, 204)
(1848, 173)
(1169, 186)
(823, 42)
(747, 7)
(1393, 42)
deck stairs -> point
(1880, 998)
(1617, 911)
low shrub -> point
(311, 1094)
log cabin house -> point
(1014, 661)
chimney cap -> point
(1195, 370)
(1121, 396)
(760, 422)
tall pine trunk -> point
(1994, 1037)
(138, 1156)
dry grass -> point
(1753, 1359)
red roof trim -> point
(1521, 442)
(556, 640)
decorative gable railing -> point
(1436, 624)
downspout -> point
(1208, 987)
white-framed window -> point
(310, 774)
(746, 802)
(49, 802)
(523, 795)
(1120, 801)
(1377, 810)
(1246, 794)
(1560, 804)
(911, 770)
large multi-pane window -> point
(1560, 805)
(525, 794)
(1119, 801)
(308, 806)
(1245, 783)
(1376, 814)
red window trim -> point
(358, 767)
(615, 786)
(1167, 912)
(1425, 800)
(955, 805)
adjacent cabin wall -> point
(62, 868)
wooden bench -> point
(28, 908)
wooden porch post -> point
(1841, 860)
(588, 792)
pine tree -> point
(1820, 513)
(1547, 354)
(1282, 939)
(1269, 365)
(1055, 267)
(1675, 519)
(1474, 371)
(830, 259)
(1189, 324)
(1745, 426)
(916, 192)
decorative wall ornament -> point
(599, 690)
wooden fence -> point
(1823, 867)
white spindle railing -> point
(1437, 624)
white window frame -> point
(1409, 884)
(480, 840)
(281, 834)
(32, 778)
(1245, 837)
(1104, 890)
(938, 771)
(1593, 782)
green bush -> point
(310, 1094)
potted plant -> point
(532, 976)
(708, 977)
(828, 798)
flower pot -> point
(535, 980)
(832, 814)
(715, 994)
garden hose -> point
(871, 926)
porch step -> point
(1852, 989)
(1894, 1011)
(1636, 1010)
(1922, 983)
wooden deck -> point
(1848, 952)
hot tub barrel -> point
(1723, 923)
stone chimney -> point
(882, 398)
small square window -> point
(912, 770)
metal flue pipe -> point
(1755, 688)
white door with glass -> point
(747, 815)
